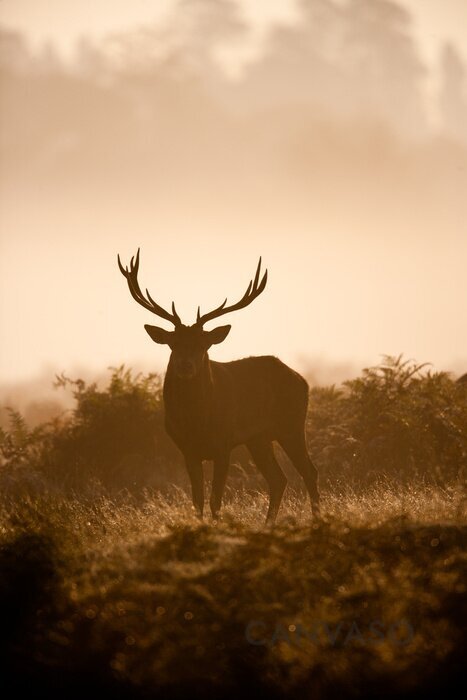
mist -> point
(324, 153)
(290, 529)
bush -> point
(396, 419)
(115, 436)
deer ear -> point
(218, 334)
(159, 335)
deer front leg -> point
(195, 472)
(221, 467)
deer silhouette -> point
(211, 407)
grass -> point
(136, 598)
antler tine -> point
(252, 291)
(135, 267)
(175, 314)
(257, 273)
(135, 291)
(123, 270)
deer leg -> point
(221, 468)
(263, 455)
(295, 448)
(195, 472)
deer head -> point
(189, 344)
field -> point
(119, 589)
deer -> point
(212, 407)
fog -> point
(325, 154)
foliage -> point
(21, 451)
(127, 595)
(396, 419)
(115, 436)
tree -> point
(385, 70)
(452, 97)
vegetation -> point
(138, 599)
(108, 582)
(398, 421)
(113, 439)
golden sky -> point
(364, 235)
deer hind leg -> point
(295, 448)
(264, 458)
(221, 467)
(195, 472)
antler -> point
(253, 290)
(149, 303)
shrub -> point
(115, 436)
(396, 419)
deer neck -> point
(188, 402)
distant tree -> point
(453, 93)
(301, 62)
(91, 62)
(186, 44)
(382, 60)
(49, 61)
(355, 58)
(15, 56)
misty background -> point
(335, 152)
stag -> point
(211, 407)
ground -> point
(137, 598)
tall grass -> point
(134, 597)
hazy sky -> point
(366, 256)
(64, 21)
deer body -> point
(230, 403)
(211, 407)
